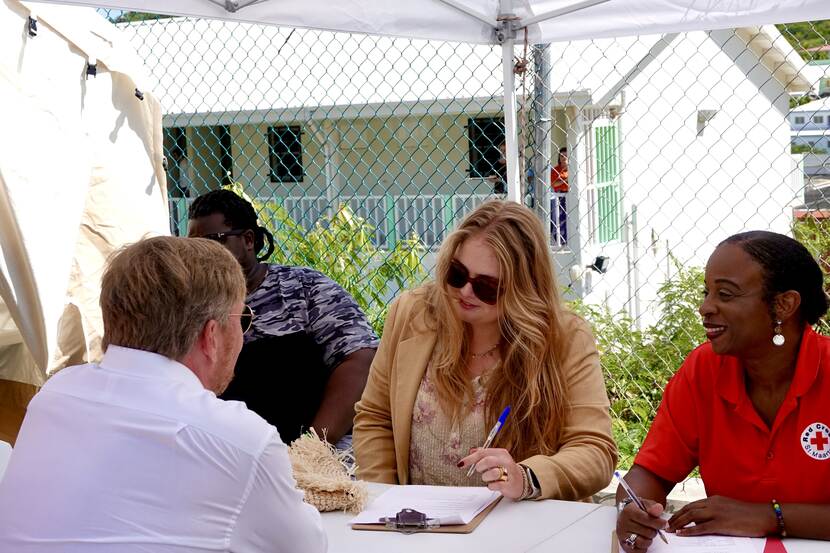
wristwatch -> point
(623, 504)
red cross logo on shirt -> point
(815, 440)
(819, 441)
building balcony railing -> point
(429, 217)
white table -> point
(512, 527)
(593, 533)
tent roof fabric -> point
(437, 19)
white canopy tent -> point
(478, 21)
(492, 22)
(81, 160)
(80, 175)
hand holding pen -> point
(495, 466)
(492, 435)
(631, 539)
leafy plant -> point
(806, 149)
(637, 363)
(814, 233)
(807, 34)
(117, 16)
(341, 247)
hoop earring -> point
(778, 337)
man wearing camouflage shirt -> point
(306, 359)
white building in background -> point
(675, 142)
(822, 80)
(810, 124)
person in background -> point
(136, 453)
(558, 205)
(489, 332)
(180, 173)
(749, 407)
(306, 359)
(559, 174)
(499, 178)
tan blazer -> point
(587, 454)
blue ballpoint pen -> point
(637, 501)
(492, 435)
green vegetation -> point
(814, 233)
(803, 36)
(806, 149)
(808, 34)
(127, 17)
(341, 247)
(637, 363)
(796, 101)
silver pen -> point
(492, 435)
(637, 501)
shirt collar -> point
(146, 364)
(731, 375)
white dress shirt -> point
(134, 455)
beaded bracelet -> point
(779, 518)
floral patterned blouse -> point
(436, 446)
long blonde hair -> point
(529, 378)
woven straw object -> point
(325, 475)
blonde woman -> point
(489, 332)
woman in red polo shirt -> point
(751, 407)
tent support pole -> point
(468, 11)
(542, 117)
(560, 12)
(506, 36)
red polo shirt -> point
(706, 419)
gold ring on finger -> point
(502, 474)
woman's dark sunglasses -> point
(222, 237)
(485, 288)
(246, 318)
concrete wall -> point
(405, 155)
(204, 155)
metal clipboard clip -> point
(409, 521)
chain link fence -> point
(639, 155)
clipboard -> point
(452, 529)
